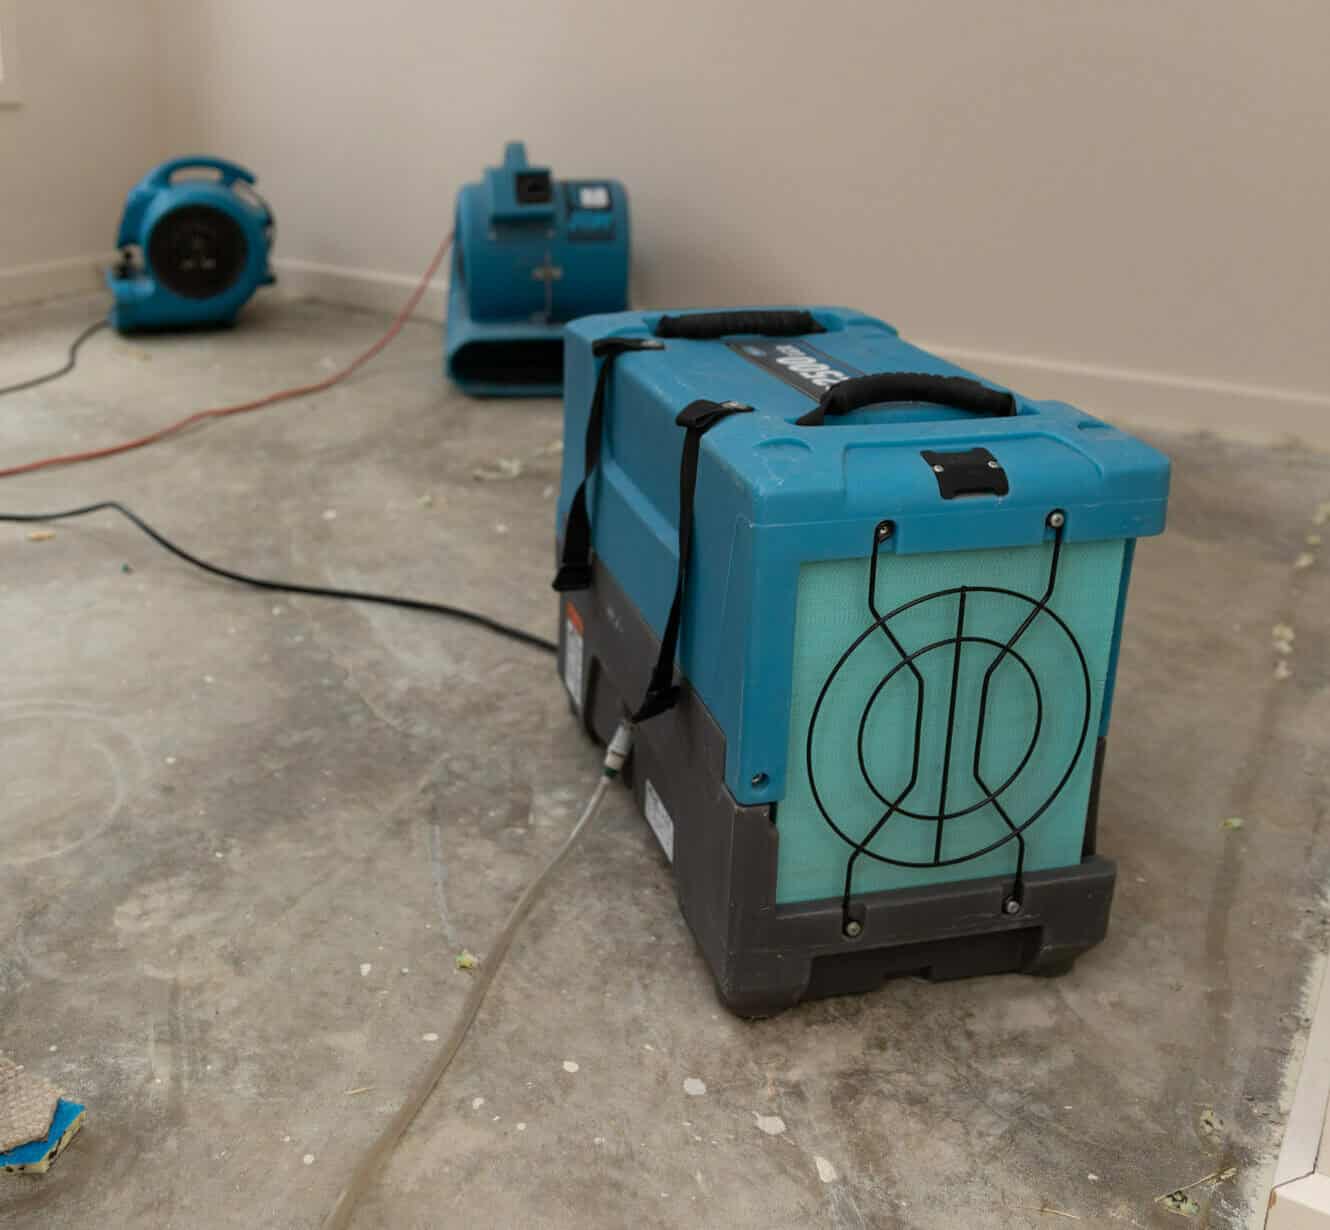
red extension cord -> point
(244, 407)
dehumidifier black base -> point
(768, 957)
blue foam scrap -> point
(37, 1155)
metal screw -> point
(854, 928)
(938, 469)
(759, 779)
(1011, 906)
(1057, 520)
(884, 531)
(993, 465)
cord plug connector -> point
(618, 750)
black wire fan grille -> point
(1006, 663)
(197, 251)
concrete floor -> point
(243, 840)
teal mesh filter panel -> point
(879, 712)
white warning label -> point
(659, 819)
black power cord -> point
(95, 327)
(292, 587)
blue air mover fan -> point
(895, 596)
(193, 249)
(529, 254)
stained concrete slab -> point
(243, 838)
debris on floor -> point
(504, 469)
(1305, 560)
(466, 960)
(36, 1123)
(1178, 1201)
(501, 469)
(1233, 822)
(40, 535)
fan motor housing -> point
(900, 622)
(530, 252)
(196, 248)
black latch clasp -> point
(974, 471)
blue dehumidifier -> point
(866, 610)
(529, 254)
(193, 248)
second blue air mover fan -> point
(530, 253)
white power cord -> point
(379, 1153)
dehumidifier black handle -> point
(707, 326)
(954, 391)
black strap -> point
(765, 322)
(696, 419)
(575, 563)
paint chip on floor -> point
(570, 1065)
(365, 968)
(1181, 1203)
(429, 1037)
(308, 1159)
(477, 1103)
(772, 1125)
(825, 1170)
(694, 1087)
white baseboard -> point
(1130, 396)
(1303, 1204)
(364, 288)
(1125, 395)
(51, 279)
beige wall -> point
(86, 128)
(1120, 202)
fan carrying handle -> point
(708, 326)
(956, 392)
(228, 172)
